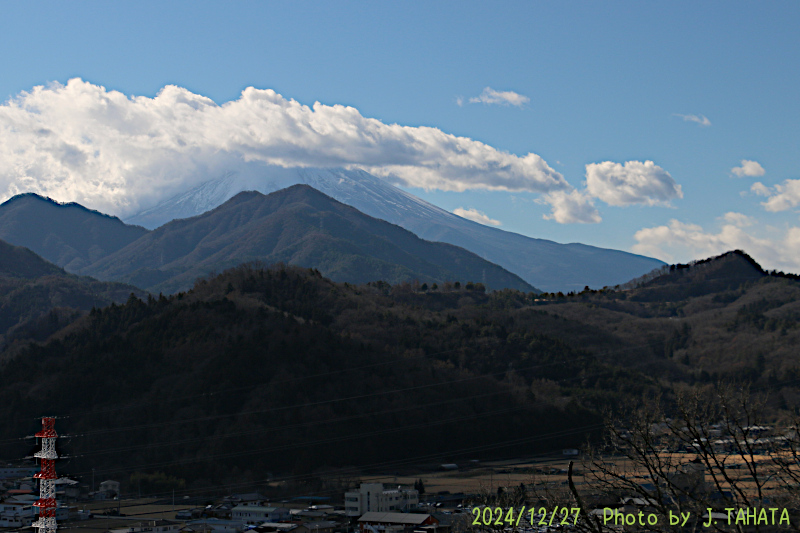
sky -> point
(666, 129)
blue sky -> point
(695, 89)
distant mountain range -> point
(298, 225)
(301, 226)
(69, 235)
(545, 264)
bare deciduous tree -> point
(708, 461)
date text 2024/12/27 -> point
(497, 516)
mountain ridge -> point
(545, 264)
(80, 236)
(297, 225)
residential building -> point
(16, 513)
(280, 527)
(109, 490)
(150, 526)
(256, 514)
(374, 522)
(374, 497)
(249, 498)
(321, 526)
(214, 524)
(11, 472)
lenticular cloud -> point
(80, 142)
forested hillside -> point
(68, 235)
(299, 226)
(38, 298)
(281, 370)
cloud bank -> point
(680, 242)
(749, 169)
(490, 96)
(476, 216)
(631, 183)
(80, 142)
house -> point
(199, 528)
(150, 526)
(307, 515)
(374, 522)
(373, 497)
(256, 514)
(108, 490)
(690, 477)
(22, 495)
(19, 512)
(321, 526)
(222, 510)
(248, 498)
(214, 525)
(12, 472)
(68, 489)
(280, 527)
(447, 522)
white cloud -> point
(682, 242)
(749, 168)
(490, 96)
(760, 189)
(781, 197)
(476, 216)
(571, 207)
(631, 183)
(700, 119)
(738, 219)
(80, 142)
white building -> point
(19, 512)
(257, 514)
(10, 472)
(150, 526)
(373, 497)
(111, 488)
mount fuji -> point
(545, 264)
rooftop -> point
(394, 518)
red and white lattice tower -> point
(47, 477)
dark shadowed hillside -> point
(716, 274)
(720, 318)
(282, 370)
(68, 235)
(37, 298)
(19, 262)
(299, 226)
